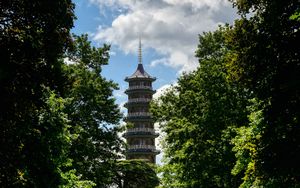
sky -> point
(168, 29)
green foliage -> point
(135, 174)
(205, 119)
(198, 116)
(295, 16)
(246, 146)
(267, 55)
(92, 112)
(73, 180)
(51, 132)
(56, 119)
(205, 115)
(33, 35)
(60, 139)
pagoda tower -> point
(140, 135)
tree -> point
(134, 174)
(97, 149)
(56, 118)
(92, 113)
(33, 34)
(199, 117)
(267, 63)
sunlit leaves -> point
(92, 112)
(198, 116)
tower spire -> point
(140, 51)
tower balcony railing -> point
(140, 87)
(137, 114)
(141, 130)
(135, 147)
(139, 100)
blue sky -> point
(122, 63)
(169, 30)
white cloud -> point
(120, 93)
(112, 53)
(170, 27)
(158, 143)
(162, 90)
(159, 92)
(122, 108)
